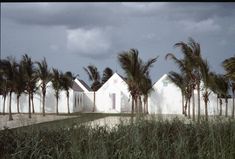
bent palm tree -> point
(146, 88)
(135, 70)
(94, 76)
(186, 71)
(10, 68)
(57, 85)
(107, 73)
(229, 66)
(67, 83)
(207, 83)
(180, 81)
(29, 73)
(43, 73)
(20, 85)
(192, 56)
(3, 86)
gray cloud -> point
(77, 34)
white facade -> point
(166, 98)
(75, 101)
(113, 96)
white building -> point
(113, 96)
(75, 101)
(166, 98)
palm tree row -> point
(195, 74)
(27, 76)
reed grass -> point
(145, 139)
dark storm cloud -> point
(78, 34)
(73, 15)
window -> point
(165, 83)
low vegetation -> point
(140, 139)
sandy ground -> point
(110, 121)
(113, 121)
(23, 120)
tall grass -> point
(140, 139)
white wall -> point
(115, 86)
(166, 99)
(50, 103)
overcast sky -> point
(74, 35)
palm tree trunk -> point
(10, 115)
(233, 106)
(206, 111)
(220, 112)
(185, 107)
(206, 102)
(4, 105)
(43, 103)
(32, 103)
(136, 104)
(147, 104)
(198, 101)
(144, 111)
(57, 100)
(132, 105)
(226, 108)
(94, 105)
(18, 103)
(29, 105)
(189, 103)
(182, 102)
(140, 104)
(68, 103)
(193, 105)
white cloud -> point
(88, 42)
(144, 6)
(203, 26)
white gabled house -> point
(113, 96)
(166, 98)
(75, 101)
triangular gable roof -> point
(111, 78)
(76, 87)
(162, 78)
(124, 79)
(83, 85)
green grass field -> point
(153, 138)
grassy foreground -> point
(140, 139)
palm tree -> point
(146, 88)
(218, 87)
(180, 81)
(192, 57)
(20, 85)
(3, 86)
(44, 74)
(107, 73)
(135, 70)
(29, 73)
(229, 66)
(94, 76)
(9, 67)
(207, 83)
(186, 71)
(57, 85)
(67, 83)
